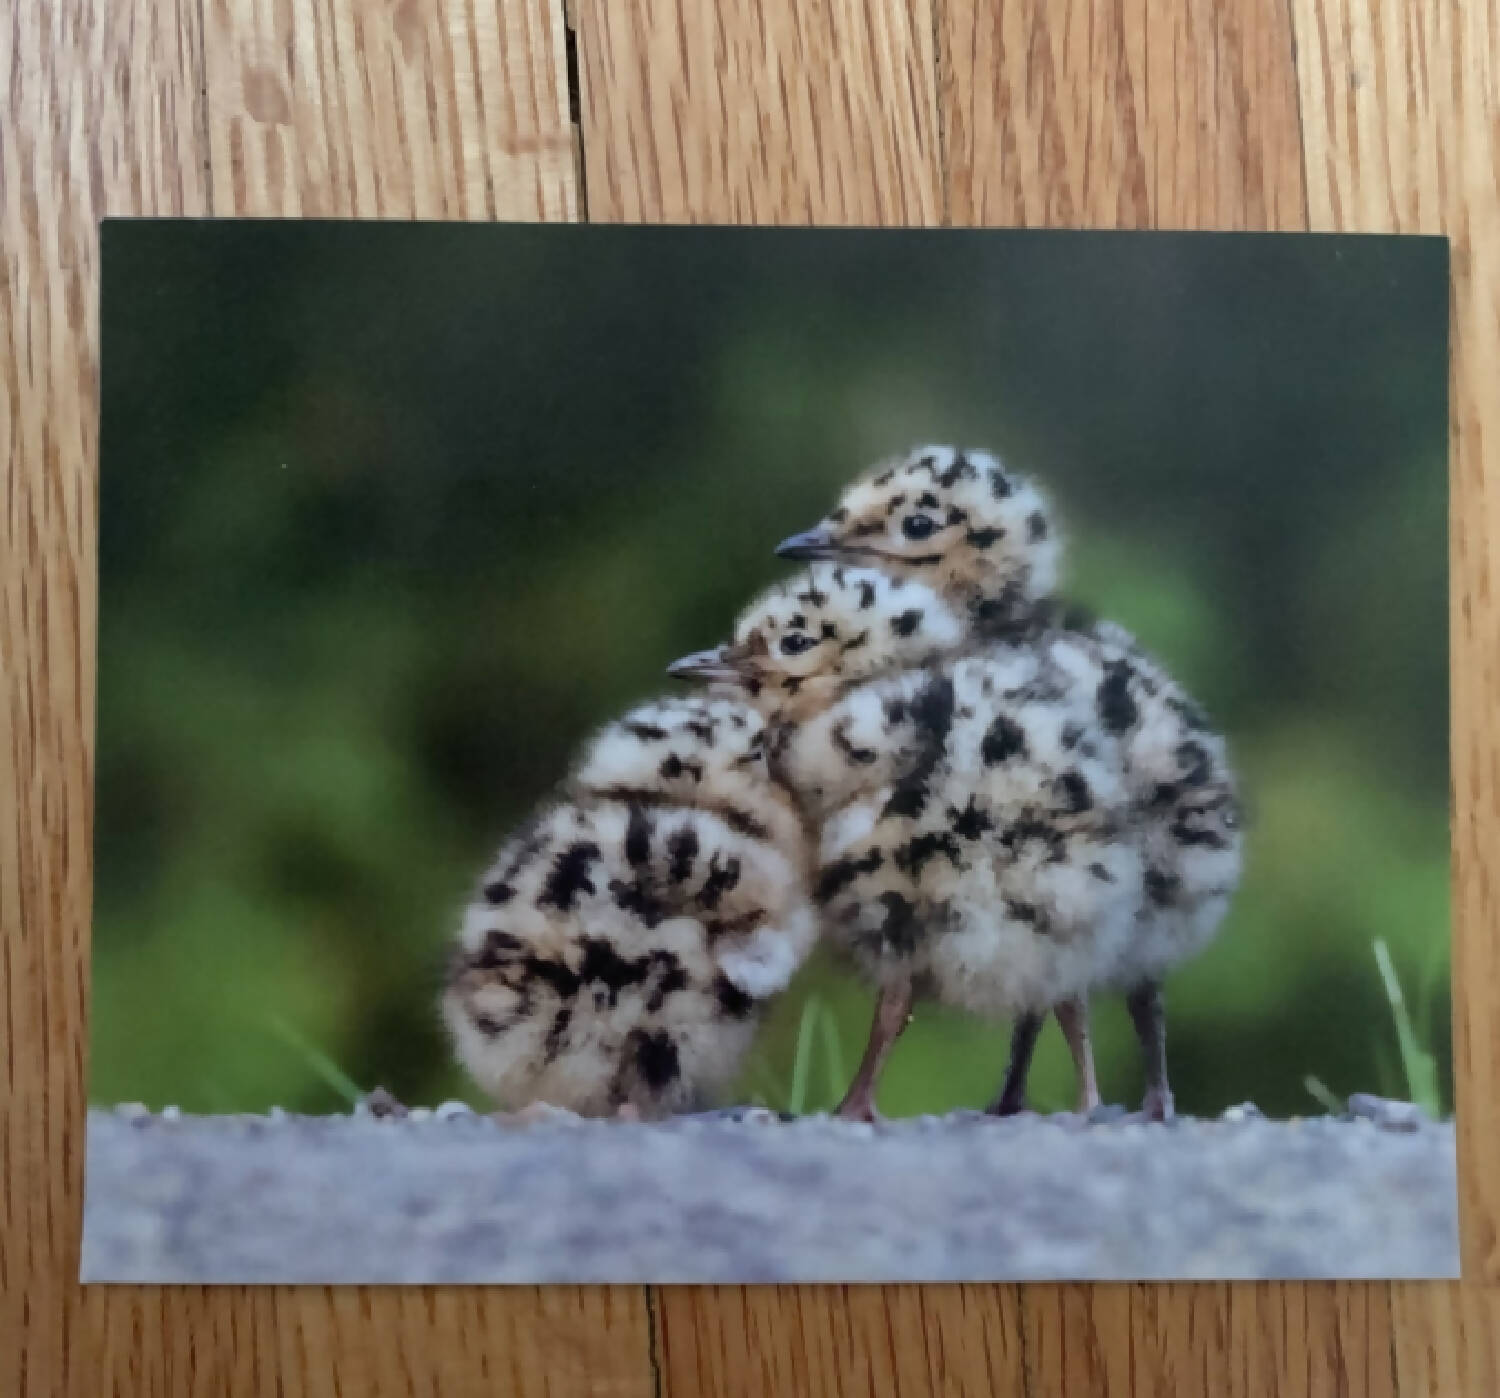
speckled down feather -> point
(623, 942)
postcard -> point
(746, 755)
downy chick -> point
(984, 537)
(622, 944)
(972, 818)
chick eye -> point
(796, 643)
(918, 526)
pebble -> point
(1387, 1112)
(133, 1111)
(1243, 1111)
(380, 1103)
(171, 1113)
(419, 1114)
(446, 1111)
(276, 1114)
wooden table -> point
(1289, 114)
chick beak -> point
(812, 543)
(707, 667)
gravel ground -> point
(447, 1196)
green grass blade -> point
(802, 1063)
(833, 1057)
(1320, 1091)
(318, 1062)
(1419, 1065)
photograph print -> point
(731, 755)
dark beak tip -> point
(810, 544)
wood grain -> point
(823, 112)
(1068, 113)
(1399, 110)
(329, 108)
(1242, 114)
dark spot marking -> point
(603, 965)
(1003, 739)
(1000, 484)
(638, 836)
(932, 715)
(870, 526)
(551, 973)
(656, 1057)
(1075, 793)
(866, 595)
(856, 642)
(646, 732)
(1103, 874)
(1117, 708)
(1161, 887)
(498, 948)
(555, 1035)
(969, 823)
(638, 900)
(569, 876)
(984, 538)
(701, 729)
(899, 931)
(722, 877)
(837, 876)
(487, 1025)
(498, 892)
(1186, 834)
(885, 477)
(741, 822)
(907, 622)
(959, 470)
(838, 516)
(860, 757)
(682, 850)
(1036, 526)
(927, 500)
(915, 854)
(673, 766)
(732, 1000)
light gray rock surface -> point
(451, 1197)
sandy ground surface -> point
(451, 1197)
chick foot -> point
(892, 1014)
(1023, 1037)
(1073, 1019)
(1148, 1014)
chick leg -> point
(1073, 1019)
(1023, 1036)
(1149, 1015)
(892, 1011)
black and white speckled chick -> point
(975, 841)
(622, 944)
(984, 537)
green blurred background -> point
(392, 516)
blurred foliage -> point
(392, 516)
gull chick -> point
(983, 536)
(622, 944)
(974, 842)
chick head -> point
(954, 519)
(807, 640)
